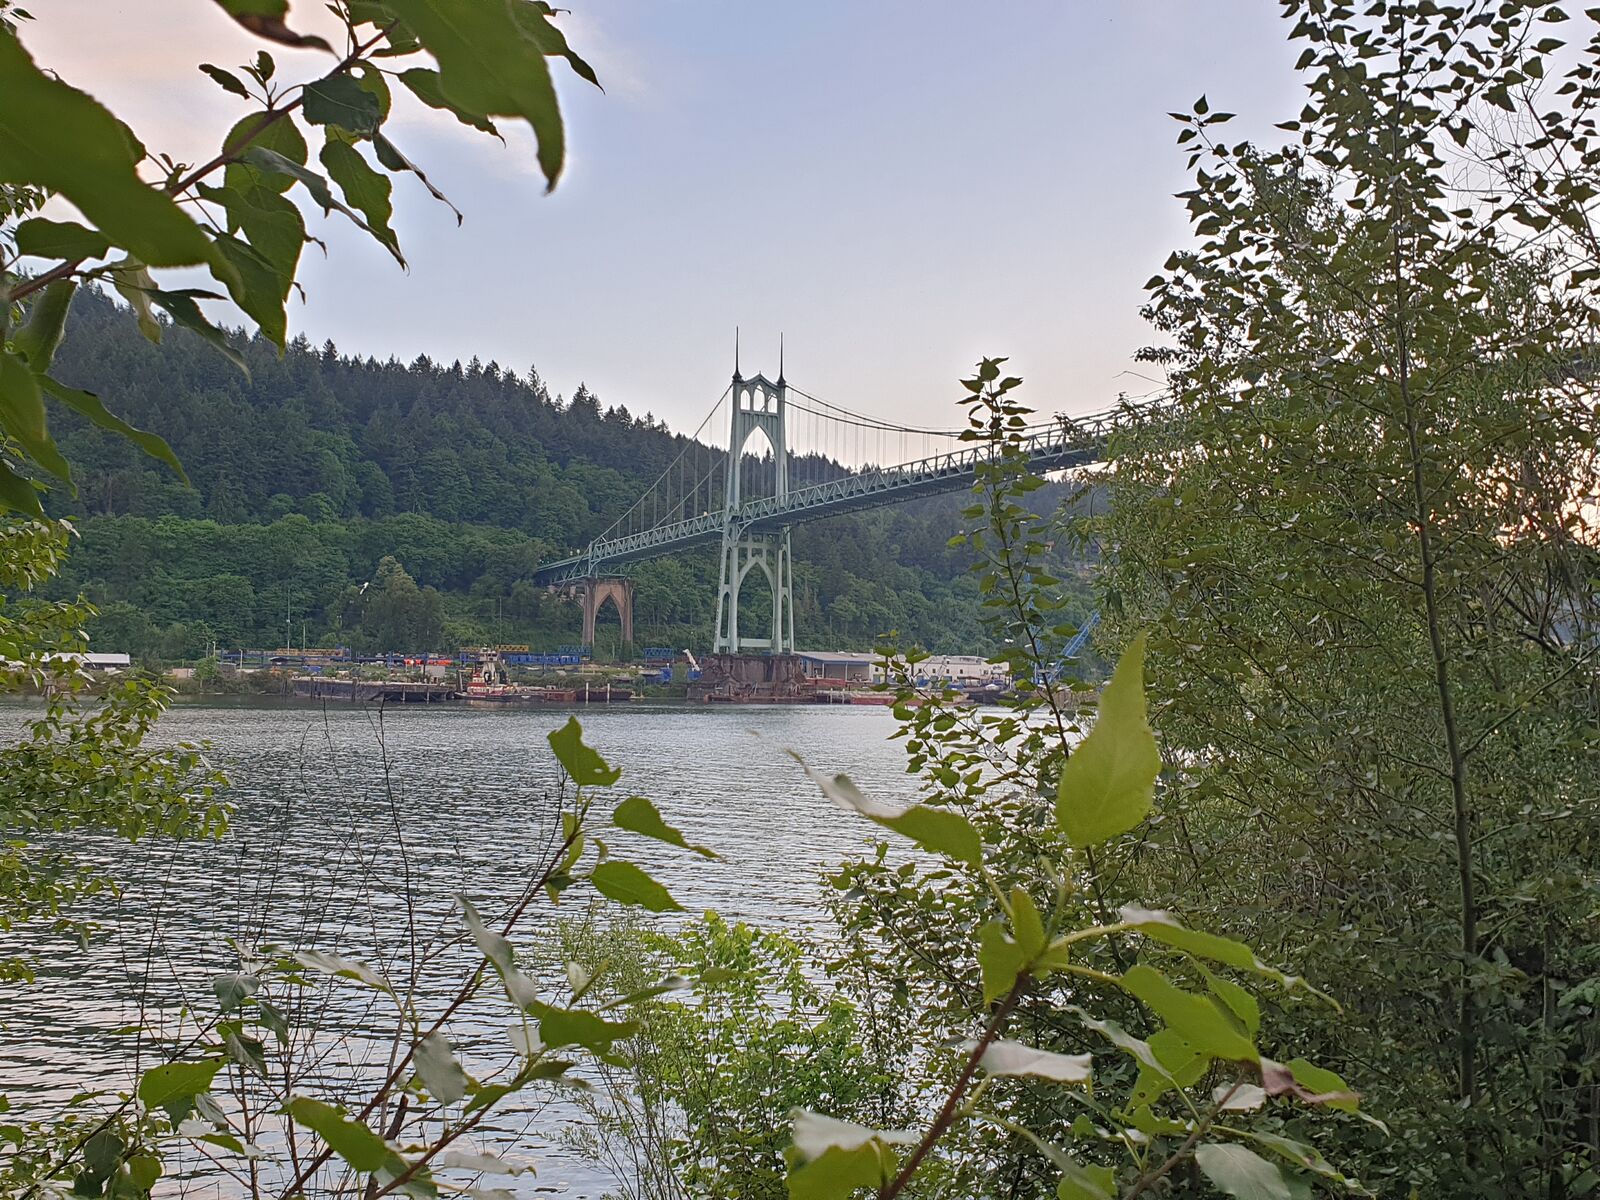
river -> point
(338, 809)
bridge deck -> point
(1068, 446)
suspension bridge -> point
(819, 460)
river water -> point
(345, 815)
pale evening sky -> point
(899, 186)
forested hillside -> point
(312, 470)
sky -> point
(898, 187)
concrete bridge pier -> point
(593, 593)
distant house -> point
(107, 662)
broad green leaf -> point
(338, 99)
(1199, 1020)
(351, 1140)
(638, 815)
(489, 66)
(226, 80)
(60, 239)
(581, 762)
(578, 1027)
(1301, 1155)
(441, 1074)
(1015, 1058)
(1239, 1001)
(1026, 925)
(261, 291)
(133, 283)
(245, 1050)
(425, 86)
(1164, 927)
(265, 131)
(143, 1171)
(18, 492)
(1136, 1048)
(58, 138)
(87, 404)
(1244, 1174)
(535, 22)
(234, 989)
(272, 161)
(936, 829)
(1108, 784)
(814, 1134)
(1000, 960)
(838, 1174)
(341, 967)
(181, 307)
(491, 945)
(391, 158)
(175, 1085)
(22, 415)
(264, 18)
(46, 324)
(628, 884)
(1079, 1182)
(1308, 1082)
(364, 188)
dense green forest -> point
(307, 474)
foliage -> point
(1020, 962)
(242, 1090)
(700, 1106)
(79, 764)
(232, 215)
(1362, 538)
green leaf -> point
(578, 1027)
(581, 762)
(264, 18)
(364, 188)
(226, 80)
(1015, 1058)
(1162, 926)
(88, 405)
(133, 283)
(175, 1085)
(350, 1140)
(58, 138)
(181, 307)
(266, 131)
(936, 829)
(60, 239)
(391, 158)
(261, 290)
(234, 989)
(19, 493)
(1026, 925)
(1135, 1048)
(1244, 1174)
(272, 161)
(1199, 1020)
(1086, 1183)
(341, 967)
(22, 415)
(489, 66)
(46, 324)
(628, 884)
(425, 86)
(441, 1074)
(1108, 784)
(1000, 960)
(837, 1174)
(638, 815)
(338, 99)
(490, 944)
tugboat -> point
(491, 683)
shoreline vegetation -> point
(1304, 903)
